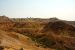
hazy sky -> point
(63, 9)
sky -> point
(62, 9)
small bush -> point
(43, 41)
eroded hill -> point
(62, 33)
(37, 34)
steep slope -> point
(4, 19)
(17, 41)
(60, 27)
(10, 40)
(62, 33)
(6, 23)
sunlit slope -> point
(17, 41)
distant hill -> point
(4, 19)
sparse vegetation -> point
(45, 33)
(43, 41)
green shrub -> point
(43, 41)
